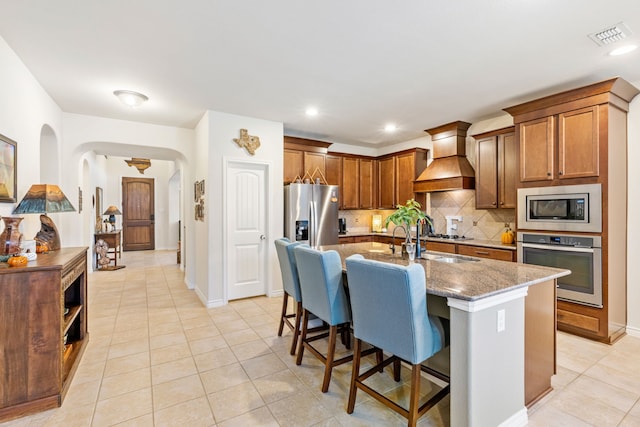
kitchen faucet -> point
(392, 246)
(450, 225)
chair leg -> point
(303, 336)
(379, 359)
(331, 350)
(296, 332)
(396, 369)
(414, 400)
(285, 301)
(355, 372)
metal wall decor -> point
(198, 196)
(139, 163)
(8, 176)
(250, 142)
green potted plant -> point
(407, 216)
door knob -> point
(263, 237)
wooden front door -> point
(138, 228)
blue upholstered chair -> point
(389, 311)
(291, 284)
(323, 294)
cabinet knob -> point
(559, 172)
(501, 203)
(548, 173)
(493, 203)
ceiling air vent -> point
(610, 35)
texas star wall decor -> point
(250, 142)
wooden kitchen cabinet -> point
(333, 169)
(440, 247)
(575, 137)
(387, 183)
(303, 157)
(396, 174)
(496, 169)
(367, 180)
(487, 252)
(350, 183)
(43, 328)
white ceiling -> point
(362, 63)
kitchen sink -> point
(449, 259)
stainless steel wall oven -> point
(580, 254)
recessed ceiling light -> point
(391, 127)
(130, 98)
(623, 49)
(311, 111)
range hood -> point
(450, 169)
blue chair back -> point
(290, 281)
(389, 309)
(322, 285)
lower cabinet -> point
(441, 247)
(43, 330)
(485, 252)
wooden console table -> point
(112, 238)
(43, 330)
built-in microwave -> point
(561, 208)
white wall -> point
(222, 128)
(633, 217)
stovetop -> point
(449, 236)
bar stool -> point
(291, 284)
(323, 294)
(389, 309)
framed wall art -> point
(8, 175)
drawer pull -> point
(482, 253)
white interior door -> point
(246, 194)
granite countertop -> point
(471, 242)
(472, 280)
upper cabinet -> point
(303, 157)
(496, 169)
(358, 183)
(563, 137)
(396, 174)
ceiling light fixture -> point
(623, 49)
(311, 112)
(613, 34)
(390, 127)
(131, 98)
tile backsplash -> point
(485, 224)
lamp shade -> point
(44, 198)
(112, 210)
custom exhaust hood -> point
(450, 169)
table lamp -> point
(112, 211)
(376, 223)
(44, 199)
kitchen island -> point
(502, 318)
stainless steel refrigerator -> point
(311, 214)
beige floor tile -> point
(193, 413)
(231, 325)
(263, 365)
(177, 391)
(199, 333)
(122, 408)
(251, 349)
(131, 334)
(173, 370)
(214, 359)
(234, 401)
(240, 337)
(128, 363)
(201, 321)
(586, 408)
(143, 421)
(165, 340)
(83, 394)
(170, 353)
(222, 378)
(128, 348)
(208, 344)
(260, 417)
(69, 415)
(300, 409)
(278, 386)
(124, 383)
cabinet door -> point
(405, 174)
(487, 173)
(350, 183)
(386, 183)
(537, 149)
(314, 164)
(507, 170)
(578, 143)
(293, 165)
(333, 169)
(366, 184)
